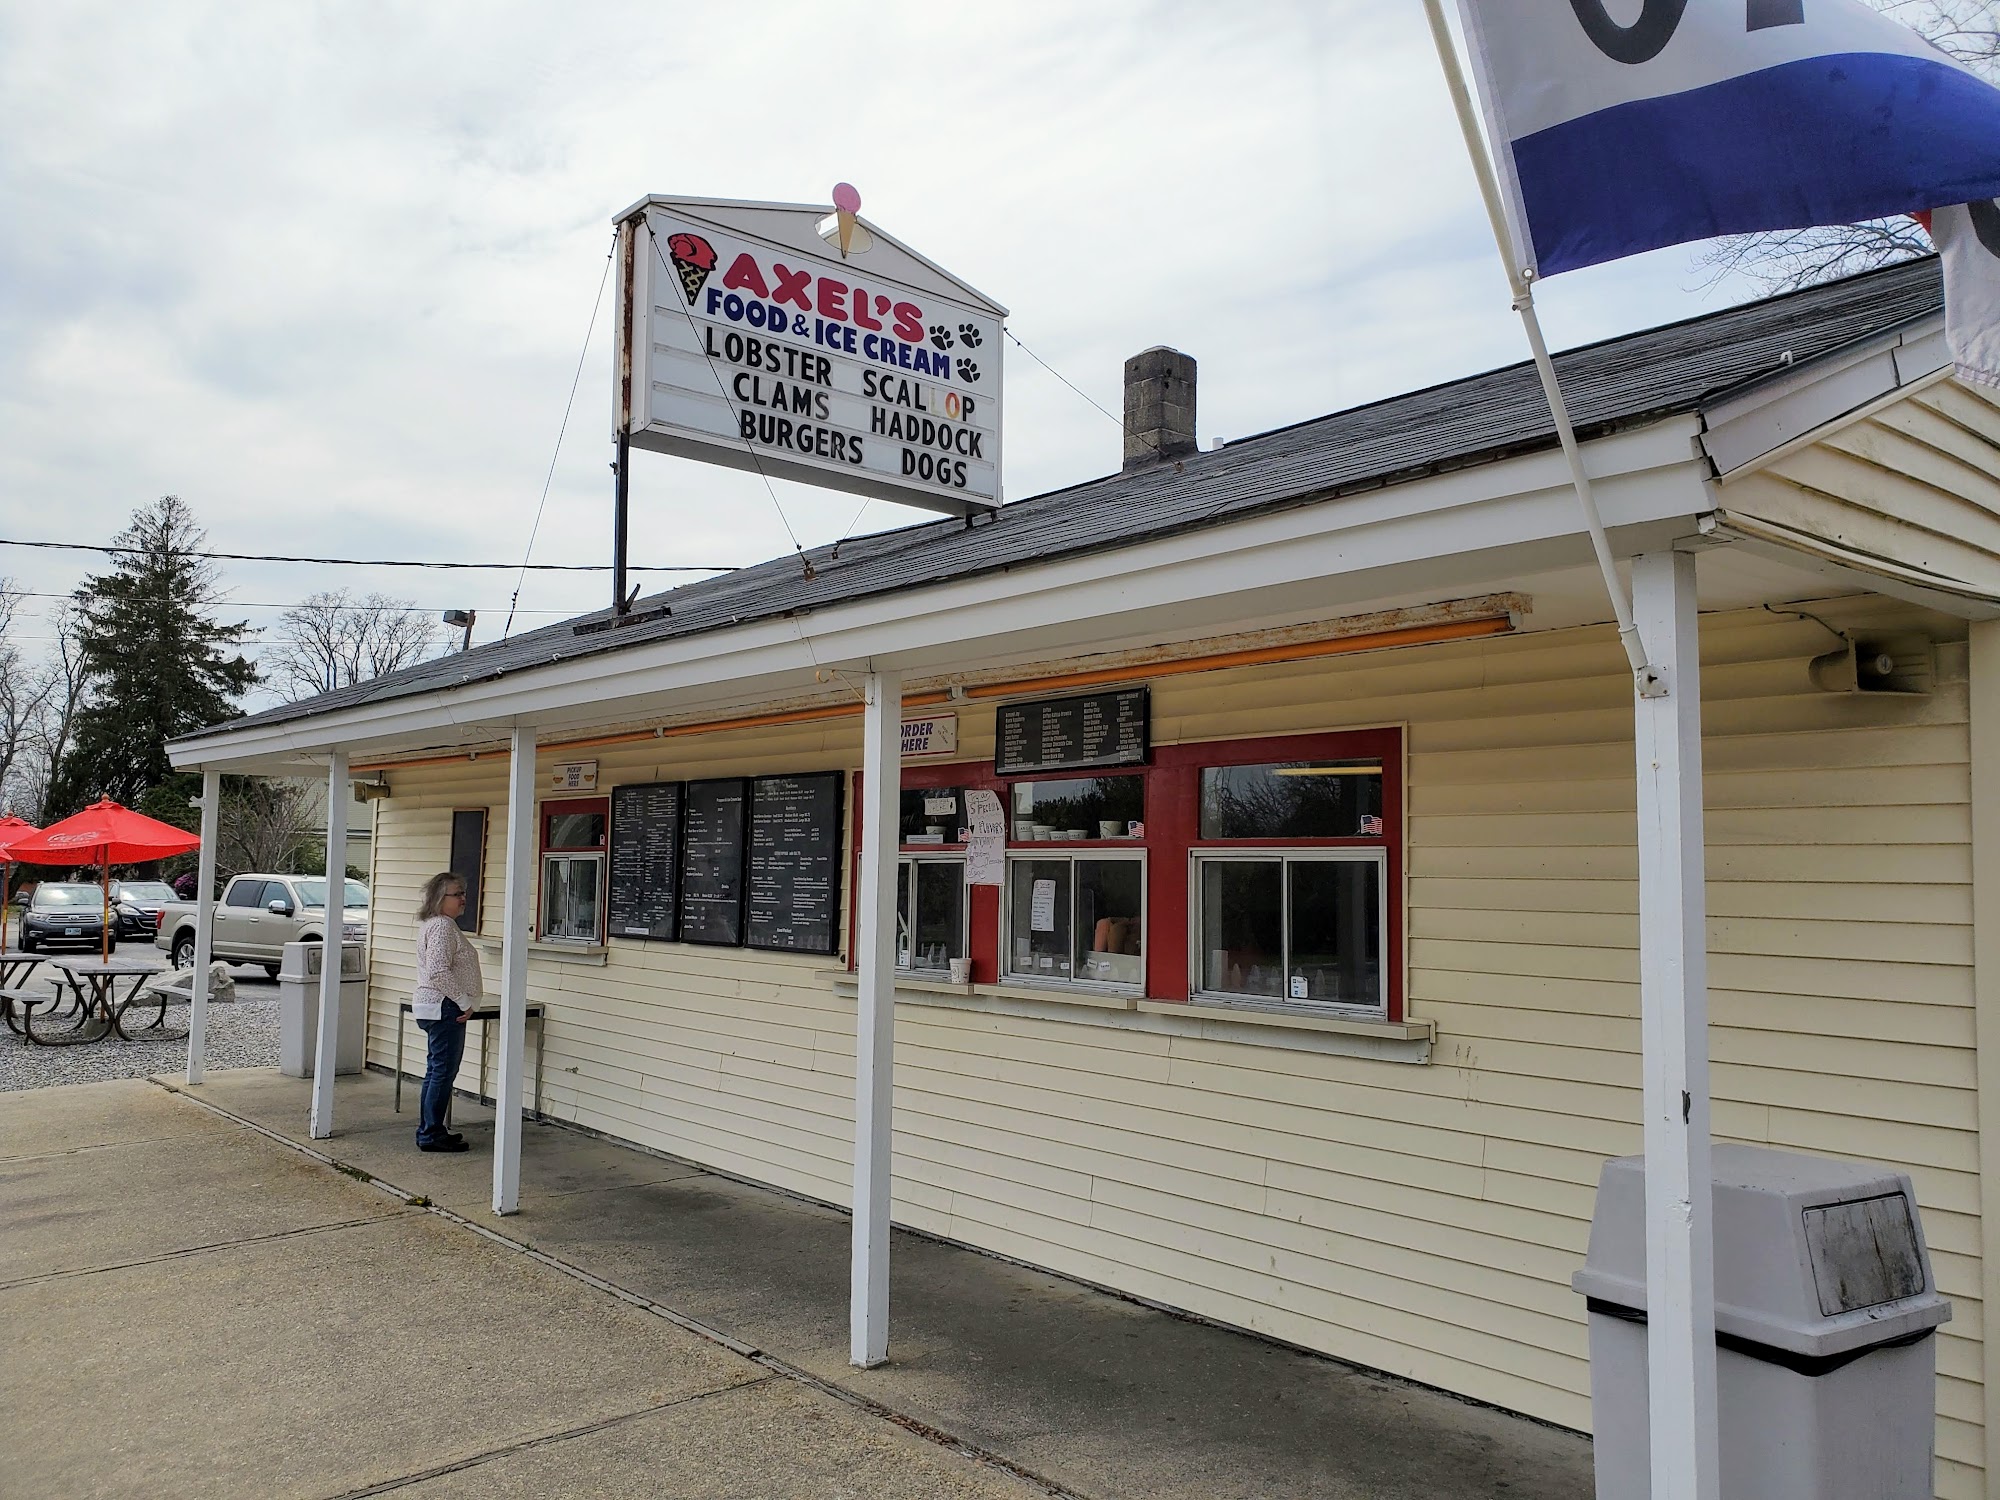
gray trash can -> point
(298, 1009)
(1825, 1312)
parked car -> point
(63, 915)
(138, 904)
(259, 914)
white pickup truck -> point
(259, 914)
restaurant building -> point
(1296, 782)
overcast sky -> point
(325, 271)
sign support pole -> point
(628, 240)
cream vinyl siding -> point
(1424, 1220)
(1914, 482)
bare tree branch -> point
(332, 640)
(37, 707)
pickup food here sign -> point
(764, 355)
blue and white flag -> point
(1684, 119)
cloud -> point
(325, 270)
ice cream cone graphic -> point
(693, 259)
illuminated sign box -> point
(755, 345)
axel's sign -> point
(755, 344)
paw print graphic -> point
(967, 370)
(940, 335)
(970, 334)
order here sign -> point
(763, 349)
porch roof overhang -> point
(1432, 540)
(1504, 520)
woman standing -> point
(448, 985)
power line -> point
(1108, 415)
(536, 530)
(377, 562)
(249, 604)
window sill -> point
(1405, 1042)
(913, 990)
(594, 954)
(1296, 1020)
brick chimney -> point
(1159, 406)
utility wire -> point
(375, 562)
(249, 604)
(1108, 415)
(535, 530)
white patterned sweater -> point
(447, 969)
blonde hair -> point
(439, 886)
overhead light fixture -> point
(462, 619)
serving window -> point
(1076, 919)
(1294, 799)
(573, 870)
(1264, 872)
(932, 815)
(1078, 808)
(1290, 926)
(931, 911)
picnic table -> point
(100, 1007)
(17, 1002)
(15, 968)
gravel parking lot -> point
(243, 1034)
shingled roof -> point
(1620, 383)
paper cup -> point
(961, 971)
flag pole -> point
(1681, 1408)
(1650, 684)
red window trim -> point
(558, 807)
(1173, 832)
(555, 807)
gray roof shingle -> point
(1623, 382)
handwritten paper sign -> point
(986, 845)
(1042, 910)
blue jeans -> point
(447, 1050)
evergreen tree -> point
(157, 666)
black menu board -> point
(645, 859)
(1061, 734)
(795, 862)
(712, 823)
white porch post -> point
(514, 971)
(1673, 1003)
(326, 1053)
(204, 924)
(1983, 683)
(875, 1019)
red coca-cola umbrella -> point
(11, 828)
(104, 834)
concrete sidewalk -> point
(192, 1306)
